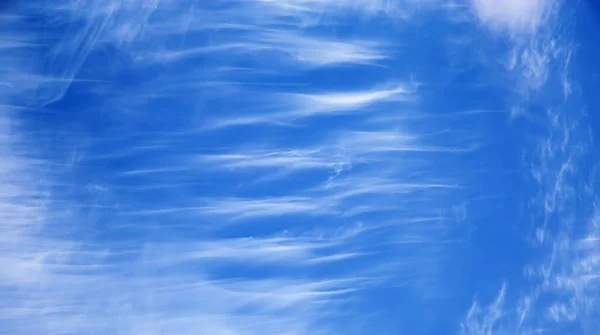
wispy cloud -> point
(310, 51)
(240, 208)
(252, 251)
(296, 106)
(512, 15)
(343, 101)
(529, 26)
(484, 320)
(140, 208)
(558, 288)
(295, 160)
(54, 272)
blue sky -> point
(294, 167)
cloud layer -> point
(294, 167)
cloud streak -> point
(292, 107)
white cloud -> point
(515, 16)
(375, 142)
(344, 101)
(250, 208)
(534, 41)
(480, 321)
(44, 80)
(297, 106)
(291, 160)
(57, 281)
(304, 50)
(240, 208)
(129, 284)
(354, 186)
(304, 7)
(282, 251)
(323, 52)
